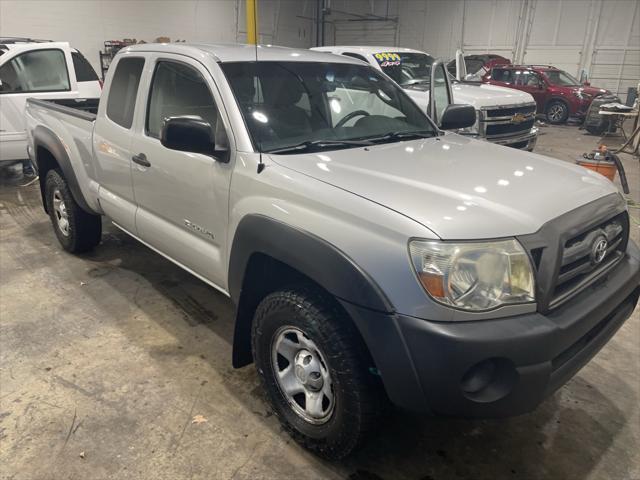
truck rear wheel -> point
(313, 366)
(77, 230)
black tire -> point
(557, 112)
(78, 231)
(600, 128)
(357, 392)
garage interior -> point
(115, 364)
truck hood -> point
(457, 187)
(485, 95)
(480, 95)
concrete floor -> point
(105, 360)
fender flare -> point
(45, 138)
(304, 252)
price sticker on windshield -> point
(388, 59)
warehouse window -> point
(123, 91)
(178, 90)
(35, 71)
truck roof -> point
(234, 52)
(8, 44)
(366, 49)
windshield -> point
(558, 77)
(286, 104)
(406, 68)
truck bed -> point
(84, 108)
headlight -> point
(582, 95)
(474, 276)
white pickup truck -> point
(369, 254)
(39, 69)
(504, 116)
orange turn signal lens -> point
(433, 283)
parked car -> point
(38, 69)
(369, 255)
(504, 116)
(558, 95)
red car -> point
(558, 94)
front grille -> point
(505, 128)
(578, 264)
(510, 111)
(508, 121)
(563, 250)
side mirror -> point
(586, 83)
(190, 133)
(458, 116)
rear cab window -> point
(123, 91)
(42, 70)
(84, 70)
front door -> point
(532, 83)
(182, 197)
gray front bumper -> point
(522, 142)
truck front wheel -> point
(77, 230)
(314, 368)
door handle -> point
(141, 159)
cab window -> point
(177, 90)
(123, 90)
(84, 70)
(35, 71)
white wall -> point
(600, 37)
(87, 24)
(362, 22)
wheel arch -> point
(268, 254)
(557, 99)
(50, 153)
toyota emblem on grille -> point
(599, 250)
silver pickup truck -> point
(370, 255)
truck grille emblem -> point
(599, 250)
(519, 118)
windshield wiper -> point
(320, 144)
(402, 135)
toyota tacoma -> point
(370, 256)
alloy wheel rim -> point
(555, 112)
(302, 374)
(60, 210)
